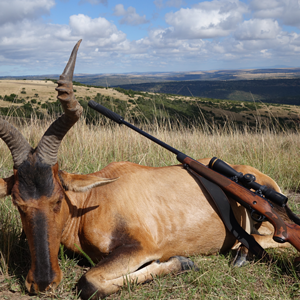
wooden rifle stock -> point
(283, 232)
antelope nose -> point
(41, 285)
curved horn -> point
(15, 141)
(48, 146)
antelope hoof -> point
(186, 263)
(87, 291)
(240, 260)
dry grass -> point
(274, 153)
(45, 90)
(86, 149)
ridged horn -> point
(15, 141)
(48, 146)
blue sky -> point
(37, 36)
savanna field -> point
(272, 149)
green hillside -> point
(284, 91)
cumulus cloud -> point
(285, 11)
(206, 20)
(18, 10)
(209, 34)
(35, 45)
(258, 29)
(284, 46)
(82, 25)
(129, 16)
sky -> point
(37, 36)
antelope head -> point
(36, 187)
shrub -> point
(10, 98)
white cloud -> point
(209, 34)
(285, 11)
(284, 46)
(206, 20)
(129, 16)
(82, 25)
(18, 10)
(257, 29)
(267, 8)
(44, 48)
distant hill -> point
(284, 91)
(108, 80)
(20, 99)
(266, 85)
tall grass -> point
(88, 148)
(273, 152)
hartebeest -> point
(136, 220)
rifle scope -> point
(247, 180)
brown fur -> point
(146, 214)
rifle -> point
(283, 232)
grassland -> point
(90, 147)
(23, 98)
(262, 135)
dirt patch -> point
(5, 293)
(14, 296)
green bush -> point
(10, 98)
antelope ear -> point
(6, 185)
(82, 183)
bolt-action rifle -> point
(254, 201)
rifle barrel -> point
(120, 120)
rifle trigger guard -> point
(257, 217)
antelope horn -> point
(15, 141)
(48, 146)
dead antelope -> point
(136, 220)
